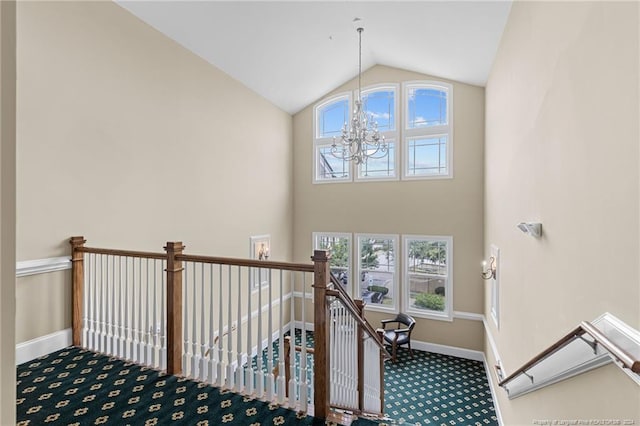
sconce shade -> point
(532, 228)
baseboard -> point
(494, 395)
(308, 326)
(43, 345)
(447, 350)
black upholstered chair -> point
(401, 335)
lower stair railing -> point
(590, 345)
(226, 321)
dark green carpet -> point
(428, 389)
(78, 387)
(434, 389)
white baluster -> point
(249, 372)
(163, 310)
(220, 336)
(203, 341)
(281, 355)
(270, 381)
(212, 363)
(292, 352)
(102, 309)
(303, 355)
(185, 322)
(230, 375)
(239, 370)
(111, 286)
(86, 302)
(260, 373)
(154, 317)
(195, 350)
(130, 307)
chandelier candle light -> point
(361, 140)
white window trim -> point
(426, 131)
(447, 314)
(348, 236)
(388, 135)
(327, 141)
(396, 288)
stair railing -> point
(351, 346)
(223, 320)
(584, 348)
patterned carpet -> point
(428, 389)
(434, 389)
(78, 387)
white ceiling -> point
(294, 52)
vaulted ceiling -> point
(294, 52)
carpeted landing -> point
(79, 387)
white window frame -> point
(327, 141)
(447, 314)
(388, 135)
(395, 284)
(348, 237)
(426, 132)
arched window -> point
(427, 130)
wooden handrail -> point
(263, 264)
(620, 354)
(584, 328)
(346, 300)
(123, 253)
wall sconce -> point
(532, 228)
(263, 252)
(489, 273)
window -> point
(380, 104)
(339, 246)
(427, 130)
(377, 274)
(427, 264)
(329, 118)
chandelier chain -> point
(360, 140)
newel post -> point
(174, 308)
(77, 287)
(321, 334)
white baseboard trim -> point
(42, 266)
(492, 343)
(447, 350)
(308, 326)
(43, 345)
(472, 316)
(494, 395)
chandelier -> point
(361, 139)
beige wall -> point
(425, 207)
(130, 140)
(8, 211)
(562, 148)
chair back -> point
(407, 320)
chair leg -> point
(395, 349)
(410, 350)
